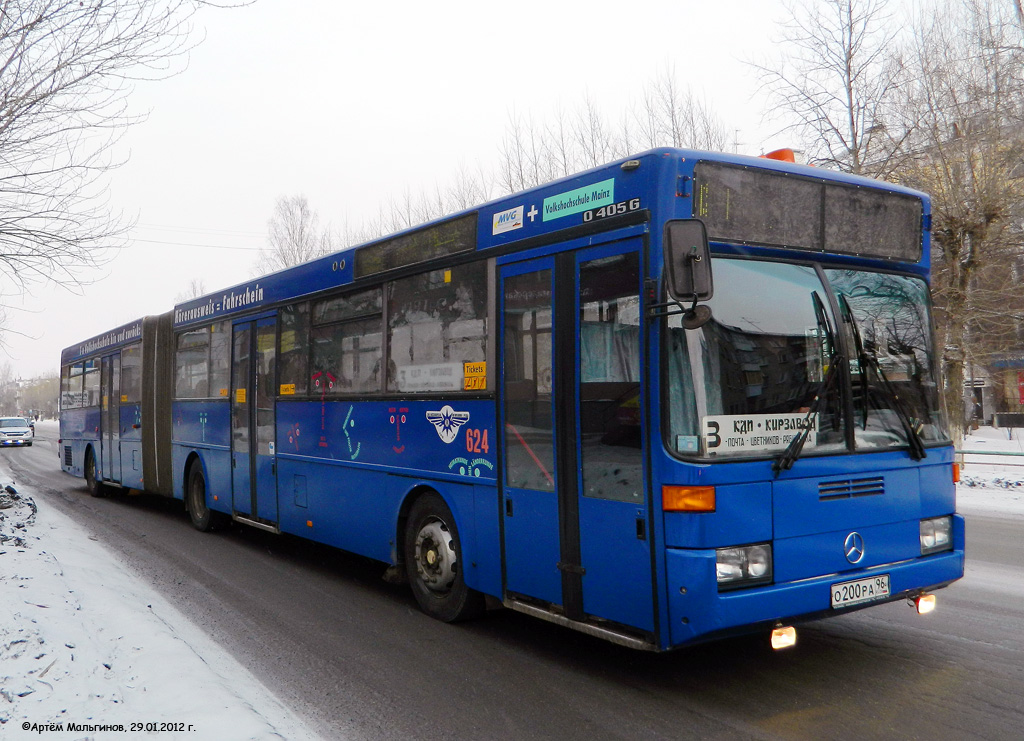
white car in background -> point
(15, 431)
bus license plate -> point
(849, 593)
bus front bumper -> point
(698, 611)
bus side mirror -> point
(688, 268)
(688, 261)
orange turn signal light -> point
(688, 498)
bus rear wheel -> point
(203, 518)
(94, 485)
(433, 562)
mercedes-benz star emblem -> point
(854, 547)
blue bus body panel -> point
(624, 596)
(216, 467)
(344, 469)
(240, 483)
(79, 429)
(203, 428)
(532, 546)
(202, 423)
(390, 436)
(266, 494)
(131, 445)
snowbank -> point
(992, 483)
(84, 645)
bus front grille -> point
(848, 488)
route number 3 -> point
(711, 433)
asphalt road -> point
(355, 657)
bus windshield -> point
(891, 355)
(745, 383)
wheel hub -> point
(436, 563)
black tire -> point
(95, 486)
(203, 518)
(433, 562)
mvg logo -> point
(506, 221)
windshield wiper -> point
(869, 362)
(835, 360)
(785, 461)
(858, 345)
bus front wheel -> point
(94, 485)
(203, 518)
(433, 562)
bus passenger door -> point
(576, 513)
(253, 421)
(530, 502)
(614, 506)
(110, 417)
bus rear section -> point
(114, 411)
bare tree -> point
(8, 389)
(39, 396)
(526, 159)
(467, 188)
(195, 288)
(968, 92)
(940, 110)
(837, 84)
(667, 116)
(535, 152)
(293, 235)
(67, 68)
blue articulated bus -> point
(114, 408)
(673, 398)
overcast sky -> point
(352, 104)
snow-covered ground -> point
(84, 642)
(993, 484)
(85, 645)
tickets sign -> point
(732, 433)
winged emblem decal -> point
(447, 422)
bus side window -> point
(192, 364)
(293, 352)
(92, 383)
(71, 387)
(346, 341)
(610, 408)
(220, 360)
(131, 373)
(437, 322)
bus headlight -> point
(743, 567)
(936, 535)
